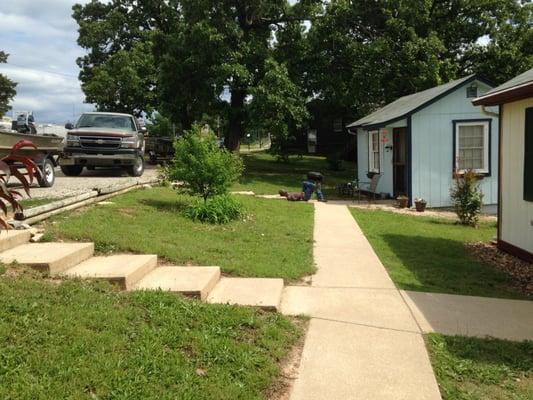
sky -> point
(40, 37)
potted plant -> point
(403, 201)
(420, 204)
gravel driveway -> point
(65, 186)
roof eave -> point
(471, 79)
(511, 94)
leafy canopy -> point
(205, 168)
(7, 88)
(278, 106)
(192, 59)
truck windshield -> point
(106, 121)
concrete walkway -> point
(365, 336)
(472, 316)
(363, 341)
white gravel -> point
(65, 186)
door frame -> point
(405, 131)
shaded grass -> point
(428, 254)
(480, 369)
(275, 239)
(264, 175)
(80, 340)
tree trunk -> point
(185, 119)
(236, 117)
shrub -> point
(467, 198)
(164, 174)
(216, 210)
(204, 168)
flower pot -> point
(420, 206)
(403, 202)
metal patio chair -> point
(369, 187)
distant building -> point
(326, 134)
(515, 219)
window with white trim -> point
(337, 125)
(373, 152)
(472, 146)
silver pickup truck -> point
(101, 139)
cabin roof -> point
(407, 105)
(518, 88)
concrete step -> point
(53, 258)
(258, 292)
(123, 269)
(13, 238)
(189, 281)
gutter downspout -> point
(489, 113)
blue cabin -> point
(417, 142)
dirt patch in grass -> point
(520, 272)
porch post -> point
(408, 161)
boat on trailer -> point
(45, 155)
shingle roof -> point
(516, 87)
(517, 80)
(406, 105)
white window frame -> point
(371, 153)
(486, 143)
(337, 125)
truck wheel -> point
(136, 169)
(47, 175)
(72, 170)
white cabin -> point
(515, 217)
(416, 142)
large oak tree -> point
(197, 59)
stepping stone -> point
(13, 238)
(256, 292)
(53, 258)
(189, 281)
(124, 269)
(244, 193)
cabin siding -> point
(516, 225)
(433, 151)
(385, 184)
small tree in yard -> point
(467, 198)
(205, 168)
(207, 171)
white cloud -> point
(40, 37)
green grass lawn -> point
(428, 254)
(275, 239)
(265, 175)
(80, 340)
(481, 369)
